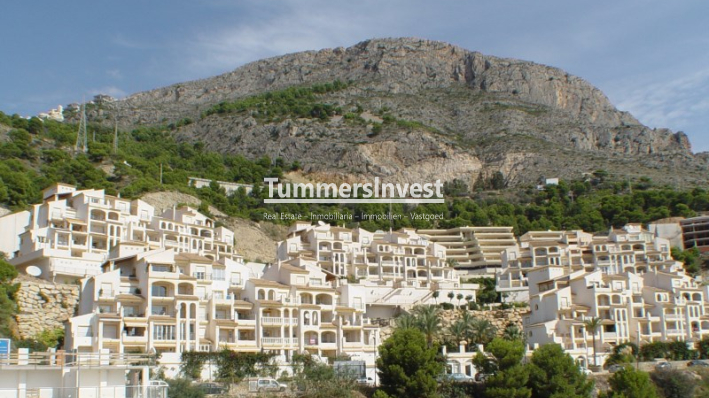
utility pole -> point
(115, 138)
(81, 137)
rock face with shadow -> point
(417, 109)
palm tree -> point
(458, 331)
(459, 297)
(592, 326)
(467, 320)
(450, 296)
(512, 333)
(468, 299)
(428, 320)
(435, 296)
(482, 331)
(405, 321)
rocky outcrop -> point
(474, 115)
(43, 305)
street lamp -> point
(375, 359)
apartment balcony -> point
(245, 322)
(127, 339)
(352, 344)
(674, 317)
(673, 331)
(277, 321)
(278, 341)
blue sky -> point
(650, 57)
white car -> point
(586, 371)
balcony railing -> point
(267, 320)
(278, 341)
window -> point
(159, 291)
(159, 310)
(218, 274)
(161, 268)
(164, 332)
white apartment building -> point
(475, 250)
(638, 308)
(174, 302)
(627, 279)
(397, 269)
(69, 235)
(628, 249)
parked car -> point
(481, 377)
(663, 366)
(698, 363)
(586, 371)
(211, 388)
(265, 384)
(365, 381)
(455, 377)
(615, 368)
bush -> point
(631, 383)
(183, 388)
(674, 383)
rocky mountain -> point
(417, 110)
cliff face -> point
(474, 115)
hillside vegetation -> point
(36, 154)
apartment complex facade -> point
(631, 248)
(174, 302)
(397, 269)
(473, 250)
(69, 235)
(626, 279)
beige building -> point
(174, 302)
(475, 250)
(631, 248)
(627, 279)
(69, 235)
(397, 269)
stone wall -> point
(43, 305)
(499, 318)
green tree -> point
(592, 326)
(554, 374)
(512, 332)
(407, 365)
(435, 295)
(458, 331)
(428, 320)
(631, 383)
(319, 380)
(183, 388)
(8, 307)
(405, 321)
(690, 258)
(481, 331)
